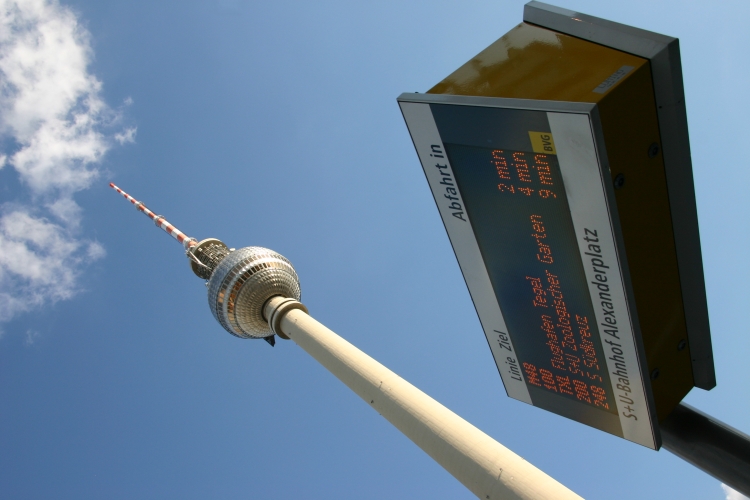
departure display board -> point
(524, 200)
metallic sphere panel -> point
(242, 283)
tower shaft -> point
(484, 466)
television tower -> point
(239, 281)
(254, 293)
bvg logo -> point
(542, 142)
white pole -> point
(490, 470)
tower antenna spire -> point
(203, 255)
(159, 220)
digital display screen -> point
(517, 205)
(525, 202)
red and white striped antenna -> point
(159, 220)
(203, 255)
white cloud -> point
(66, 210)
(40, 261)
(126, 136)
(53, 114)
(732, 494)
(31, 336)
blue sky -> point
(275, 124)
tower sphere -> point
(242, 283)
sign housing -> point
(560, 164)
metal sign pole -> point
(710, 445)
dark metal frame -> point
(663, 53)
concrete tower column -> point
(487, 468)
